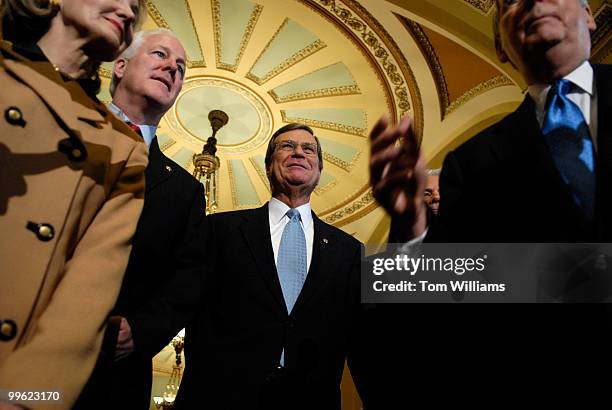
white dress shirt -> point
(583, 94)
(277, 211)
(147, 131)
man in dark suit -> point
(282, 293)
(164, 273)
(526, 159)
(542, 174)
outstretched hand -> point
(398, 175)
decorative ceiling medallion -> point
(250, 119)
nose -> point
(435, 196)
(298, 151)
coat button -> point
(8, 330)
(14, 117)
(44, 232)
(73, 149)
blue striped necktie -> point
(568, 138)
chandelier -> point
(166, 401)
(207, 163)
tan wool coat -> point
(71, 192)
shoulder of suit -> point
(491, 135)
(180, 171)
(339, 233)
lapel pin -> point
(325, 240)
(168, 168)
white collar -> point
(582, 77)
(277, 209)
(148, 131)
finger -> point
(383, 159)
(408, 137)
(379, 127)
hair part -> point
(291, 127)
(133, 49)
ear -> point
(590, 20)
(119, 68)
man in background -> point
(163, 279)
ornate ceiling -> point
(336, 65)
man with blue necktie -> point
(545, 174)
(545, 168)
(163, 279)
(281, 297)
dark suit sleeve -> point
(156, 323)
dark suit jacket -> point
(500, 186)
(503, 186)
(242, 326)
(161, 285)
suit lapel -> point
(256, 232)
(159, 169)
(322, 253)
(523, 146)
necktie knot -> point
(135, 128)
(293, 214)
(562, 87)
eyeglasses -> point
(308, 148)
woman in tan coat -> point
(71, 192)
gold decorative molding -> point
(355, 210)
(431, 57)
(320, 190)
(324, 92)
(166, 145)
(294, 59)
(156, 16)
(482, 5)
(340, 163)
(261, 173)
(195, 63)
(234, 194)
(603, 19)
(380, 52)
(161, 22)
(105, 72)
(216, 10)
(325, 125)
(498, 81)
